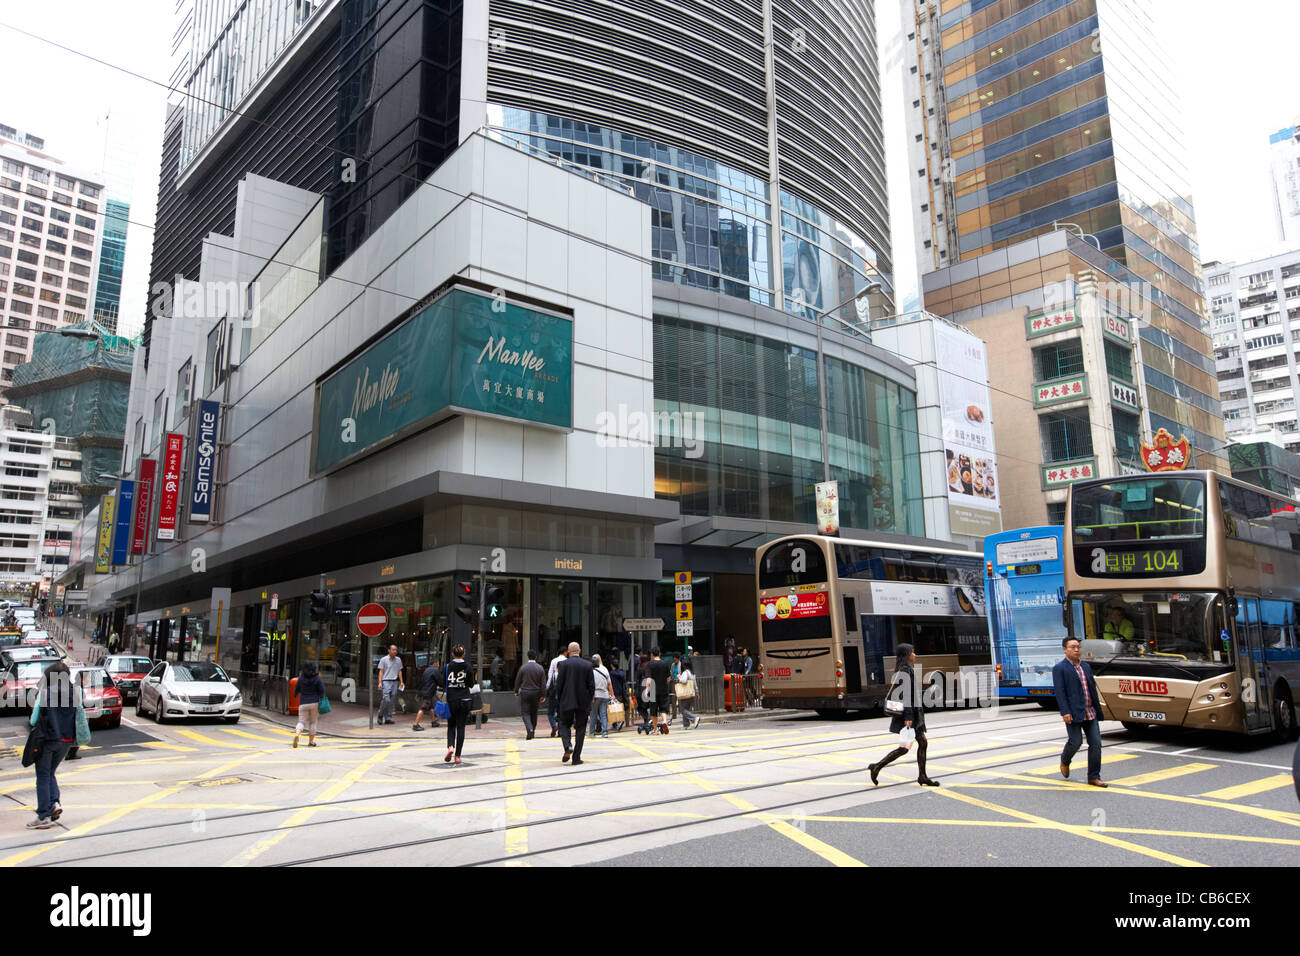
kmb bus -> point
(1026, 577)
(832, 611)
(1184, 589)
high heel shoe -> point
(875, 774)
(927, 782)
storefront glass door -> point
(562, 609)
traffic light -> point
(467, 601)
(495, 602)
(320, 605)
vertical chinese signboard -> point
(828, 507)
(962, 363)
(104, 544)
(170, 492)
(143, 502)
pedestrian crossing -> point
(1263, 785)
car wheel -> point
(115, 722)
(158, 709)
(139, 706)
(1284, 724)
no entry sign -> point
(371, 620)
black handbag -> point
(32, 749)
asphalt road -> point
(785, 791)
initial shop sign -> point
(464, 353)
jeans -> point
(1076, 733)
(553, 710)
(528, 710)
(576, 721)
(600, 715)
(389, 701)
(688, 718)
(47, 787)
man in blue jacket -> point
(1076, 696)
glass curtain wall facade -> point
(748, 407)
(112, 253)
(1059, 110)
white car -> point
(176, 689)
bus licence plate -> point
(1145, 715)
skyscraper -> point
(1024, 118)
(1284, 160)
(108, 275)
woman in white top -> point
(600, 705)
(686, 683)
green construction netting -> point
(88, 406)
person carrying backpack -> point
(58, 724)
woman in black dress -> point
(906, 689)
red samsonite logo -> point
(1157, 688)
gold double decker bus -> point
(1184, 590)
(832, 611)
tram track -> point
(589, 778)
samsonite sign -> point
(205, 457)
(463, 353)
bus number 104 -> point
(1146, 562)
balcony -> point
(1061, 391)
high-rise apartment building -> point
(1255, 311)
(1027, 117)
(108, 268)
(50, 223)
(1284, 163)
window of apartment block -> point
(1119, 361)
(1056, 513)
(1128, 435)
(1066, 435)
(1055, 361)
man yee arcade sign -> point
(463, 353)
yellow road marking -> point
(824, 850)
(212, 741)
(302, 816)
(1086, 832)
(1155, 776)
(1263, 785)
(159, 745)
(516, 811)
(92, 826)
(1078, 765)
(244, 733)
(1003, 758)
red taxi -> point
(18, 682)
(99, 696)
(127, 670)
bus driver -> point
(1118, 626)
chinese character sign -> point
(170, 491)
(1165, 454)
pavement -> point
(352, 722)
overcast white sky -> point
(1236, 74)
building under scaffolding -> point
(77, 386)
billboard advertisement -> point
(966, 406)
(104, 544)
(144, 500)
(123, 521)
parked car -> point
(188, 689)
(99, 695)
(37, 636)
(20, 679)
(127, 671)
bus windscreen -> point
(1145, 509)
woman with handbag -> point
(906, 704)
(311, 703)
(685, 688)
(58, 724)
(456, 681)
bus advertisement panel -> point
(1025, 577)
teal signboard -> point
(465, 353)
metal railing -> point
(265, 691)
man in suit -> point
(1080, 705)
(575, 688)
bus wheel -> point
(1135, 730)
(1048, 704)
(1284, 725)
(827, 714)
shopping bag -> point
(906, 737)
(685, 689)
(441, 710)
(616, 713)
(324, 707)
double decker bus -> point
(832, 611)
(1026, 578)
(1184, 589)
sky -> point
(1236, 76)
